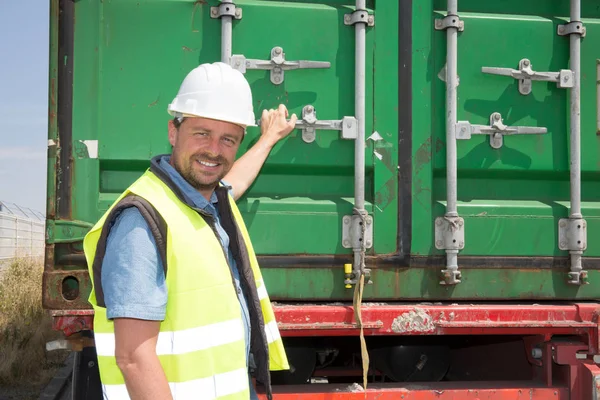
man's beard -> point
(187, 171)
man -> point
(181, 311)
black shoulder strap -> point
(157, 225)
(258, 346)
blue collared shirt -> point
(133, 277)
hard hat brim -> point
(187, 115)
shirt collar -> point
(188, 190)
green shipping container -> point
(116, 65)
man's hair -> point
(177, 121)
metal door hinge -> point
(359, 16)
(450, 21)
(525, 74)
(226, 8)
(277, 64)
(351, 232)
(497, 130)
(571, 28)
(572, 234)
(449, 233)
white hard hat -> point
(215, 91)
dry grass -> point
(25, 327)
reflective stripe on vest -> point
(201, 340)
(210, 388)
(184, 341)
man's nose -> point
(213, 147)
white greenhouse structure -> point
(21, 232)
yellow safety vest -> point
(201, 341)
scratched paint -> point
(417, 320)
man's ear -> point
(173, 131)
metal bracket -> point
(497, 130)
(449, 233)
(451, 277)
(359, 16)
(450, 236)
(309, 124)
(525, 74)
(572, 234)
(226, 9)
(353, 277)
(450, 21)
(277, 64)
(351, 232)
(572, 28)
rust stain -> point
(185, 48)
(155, 102)
(53, 288)
(423, 155)
(53, 89)
(439, 145)
(197, 3)
(50, 207)
(52, 117)
(420, 189)
(386, 194)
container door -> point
(117, 69)
(513, 146)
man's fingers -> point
(292, 121)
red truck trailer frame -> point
(561, 342)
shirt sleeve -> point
(229, 187)
(133, 277)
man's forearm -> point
(135, 351)
(145, 378)
(246, 168)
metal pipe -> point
(451, 113)
(451, 272)
(359, 112)
(575, 58)
(226, 38)
(575, 135)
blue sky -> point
(24, 102)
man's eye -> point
(200, 134)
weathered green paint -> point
(511, 198)
(393, 283)
(130, 57)
(63, 231)
(52, 112)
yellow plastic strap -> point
(358, 293)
